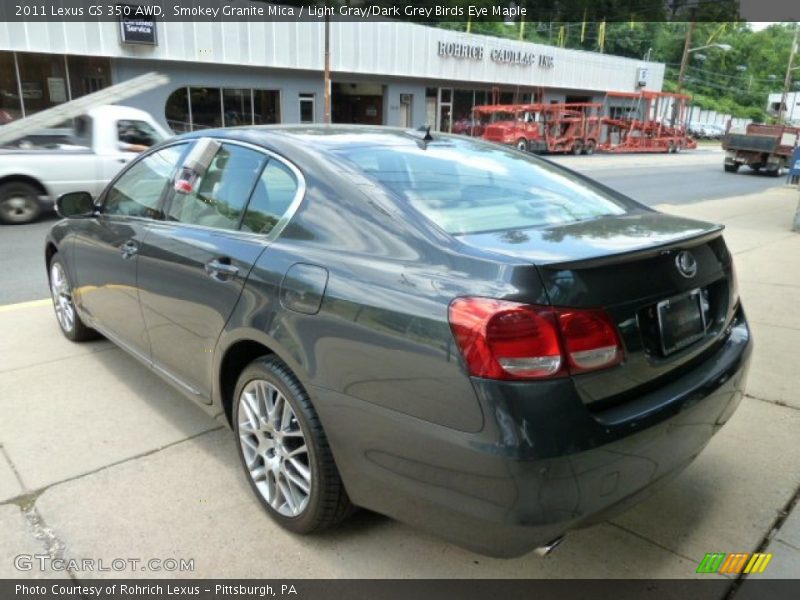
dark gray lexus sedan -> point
(458, 335)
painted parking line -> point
(21, 305)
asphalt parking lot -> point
(102, 460)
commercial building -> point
(233, 73)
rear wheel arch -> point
(235, 360)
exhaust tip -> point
(548, 548)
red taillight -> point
(590, 339)
(508, 340)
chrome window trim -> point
(283, 221)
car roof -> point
(328, 137)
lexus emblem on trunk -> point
(686, 263)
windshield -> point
(470, 188)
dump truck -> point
(767, 147)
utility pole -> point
(787, 82)
(327, 77)
(686, 46)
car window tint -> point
(272, 196)
(138, 191)
(465, 187)
(220, 194)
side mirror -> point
(75, 205)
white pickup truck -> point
(84, 158)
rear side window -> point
(468, 188)
(138, 191)
(272, 196)
(220, 195)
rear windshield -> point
(467, 188)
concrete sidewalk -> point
(102, 460)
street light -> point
(723, 47)
(687, 51)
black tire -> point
(589, 148)
(774, 172)
(521, 145)
(19, 203)
(74, 329)
(731, 168)
(328, 503)
(577, 148)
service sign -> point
(136, 30)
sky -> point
(759, 25)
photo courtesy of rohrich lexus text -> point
(367, 298)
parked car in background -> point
(40, 168)
(456, 334)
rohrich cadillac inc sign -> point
(504, 56)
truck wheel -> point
(577, 148)
(774, 172)
(19, 203)
(731, 168)
(589, 148)
(671, 148)
(522, 145)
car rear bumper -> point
(543, 463)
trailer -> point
(767, 147)
(645, 122)
(541, 128)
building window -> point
(206, 106)
(10, 106)
(306, 108)
(88, 74)
(237, 107)
(43, 80)
(192, 108)
(32, 82)
(266, 107)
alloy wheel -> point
(274, 448)
(62, 297)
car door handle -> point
(221, 269)
(129, 249)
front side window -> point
(221, 193)
(137, 192)
(136, 136)
(466, 188)
(272, 196)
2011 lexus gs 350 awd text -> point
(459, 335)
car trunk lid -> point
(628, 265)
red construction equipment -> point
(566, 127)
(645, 122)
